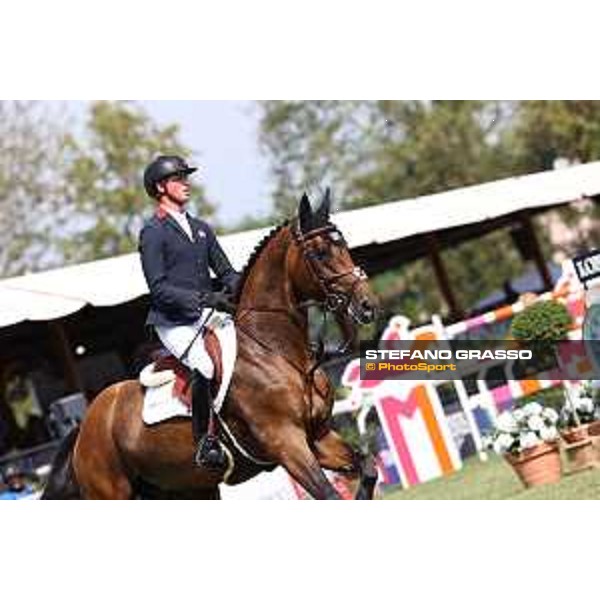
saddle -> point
(166, 368)
(168, 383)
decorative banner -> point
(418, 434)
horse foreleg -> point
(335, 454)
(299, 461)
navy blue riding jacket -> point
(177, 269)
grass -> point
(495, 480)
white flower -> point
(519, 414)
(549, 434)
(535, 423)
(506, 423)
(533, 408)
(550, 414)
(498, 448)
(585, 405)
(528, 440)
(503, 442)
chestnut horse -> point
(279, 405)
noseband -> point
(336, 300)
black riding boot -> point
(209, 453)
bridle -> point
(335, 300)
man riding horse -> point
(278, 403)
(177, 251)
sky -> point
(224, 136)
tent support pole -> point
(536, 250)
(67, 358)
(433, 248)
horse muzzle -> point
(362, 312)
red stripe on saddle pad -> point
(182, 388)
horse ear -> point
(305, 213)
(322, 213)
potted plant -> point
(527, 438)
(542, 326)
(575, 418)
(577, 414)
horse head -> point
(322, 267)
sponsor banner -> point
(587, 266)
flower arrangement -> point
(523, 428)
(586, 404)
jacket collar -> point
(164, 216)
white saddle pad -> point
(161, 404)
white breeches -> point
(177, 340)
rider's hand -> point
(219, 301)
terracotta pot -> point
(594, 428)
(575, 434)
(538, 465)
(580, 449)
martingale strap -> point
(236, 444)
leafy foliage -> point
(377, 151)
(542, 325)
(32, 139)
(547, 130)
(547, 321)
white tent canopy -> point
(60, 292)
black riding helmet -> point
(161, 168)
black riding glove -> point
(218, 300)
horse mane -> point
(254, 257)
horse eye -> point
(319, 253)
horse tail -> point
(61, 484)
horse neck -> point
(268, 292)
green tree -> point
(378, 151)
(309, 144)
(545, 130)
(423, 148)
(32, 137)
(104, 179)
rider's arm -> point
(165, 295)
(219, 263)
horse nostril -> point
(367, 307)
(367, 310)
